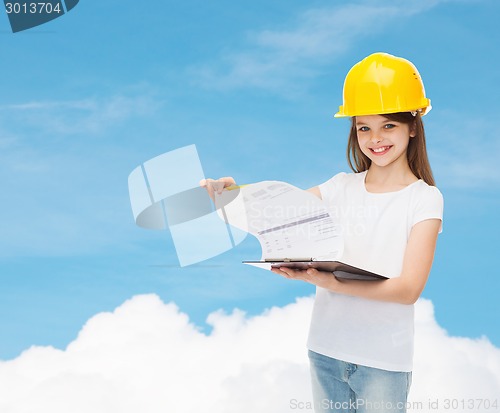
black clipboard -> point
(340, 269)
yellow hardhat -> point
(383, 83)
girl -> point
(361, 334)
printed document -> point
(288, 222)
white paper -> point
(287, 221)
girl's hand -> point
(216, 185)
(311, 275)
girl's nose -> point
(375, 137)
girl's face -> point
(384, 141)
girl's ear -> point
(413, 129)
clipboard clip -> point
(288, 259)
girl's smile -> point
(382, 150)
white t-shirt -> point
(376, 228)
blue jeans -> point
(345, 387)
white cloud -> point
(453, 368)
(147, 357)
(276, 59)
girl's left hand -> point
(311, 275)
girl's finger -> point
(312, 271)
(208, 185)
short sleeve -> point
(429, 205)
(329, 188)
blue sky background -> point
(91, 95)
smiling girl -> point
(361, 336)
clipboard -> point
(339, 269)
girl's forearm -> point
(397, 290)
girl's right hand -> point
(216, 185)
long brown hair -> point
(416, 152)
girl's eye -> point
(389, 126)
(363, 129)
